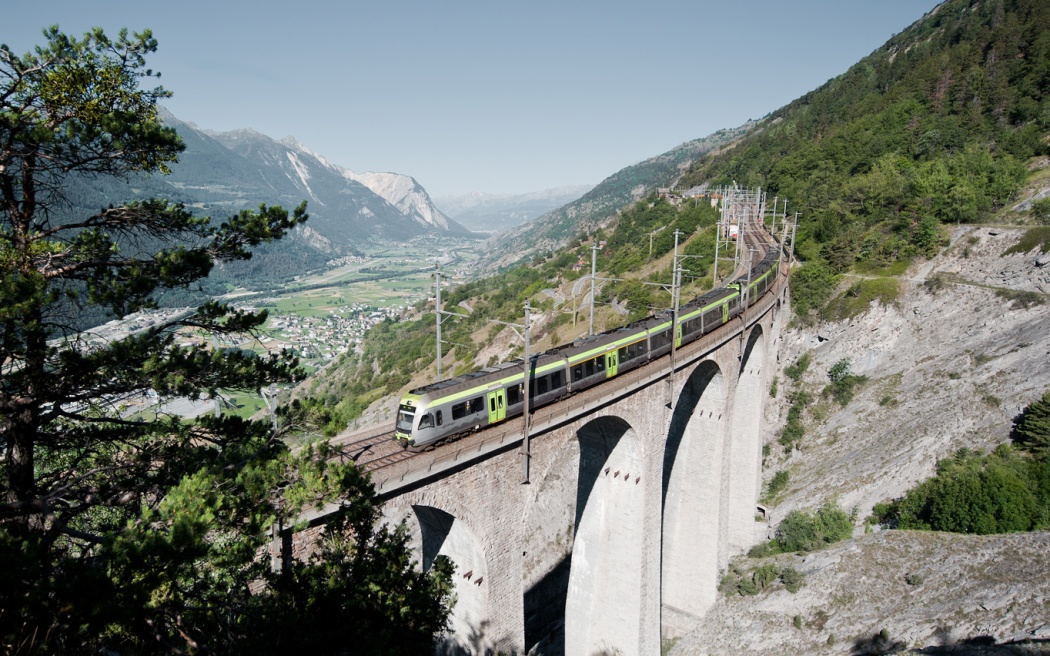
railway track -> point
(372, 449)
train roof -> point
(484, 377)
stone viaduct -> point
(636, 498)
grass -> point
(1032, 238)
(893, 270)
(1022, 298)
(861, 295)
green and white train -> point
(450, 408)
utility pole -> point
(794, 227)
(594, 264)
(437, 315)
(526, 454)
(746, 296)
(676, 293)
(526, 451)
(718, 233)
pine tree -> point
(124, 532)
(1032, 429)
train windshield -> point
(405, 415)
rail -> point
(391, 479)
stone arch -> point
(692, 497)
(438, 533)
(549, 528)
(603, 610)
(745, 444)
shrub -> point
(843, 382)
(1041, 211)
(1022, 298)
(999, 493)
(1032, 238)
(1032, 428)
(795, 371)
(765, 575)
(778, 483)
(811, 286)
(802, 531)
(861, 295)
(792, 579)
(934, 284)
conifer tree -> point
(124, 532)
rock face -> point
(961, 588)
(949, 365)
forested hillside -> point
(938, 126)
(595, 208)
(934, 127)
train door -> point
(725, 312)
(612, 362)
(677, 334)
(497, 405)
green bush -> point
(1005, 491)
(796, 371)
(766, 575)
(1032, 428)
(811, 286)
(1032, 238)
(861, 295)
(802, 531)
(792, 579)
(777, 483)
(1041, 211)
(843, 382)
(1023, 298)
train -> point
(448, 409)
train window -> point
(599, 363)
(492, 404)
(499, 401)
(624, 354)
(404, 419)
(427, 421)
(588, 368)
(541, 384)
(459, 410)
(514, 394)
(556, 380)
(439, 417)
(661, 339)
(577, 373)
(475, 405)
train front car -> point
(412, 408)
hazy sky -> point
(484, 95)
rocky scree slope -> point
(946, 369)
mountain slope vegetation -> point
(935, 127)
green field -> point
(390, 276)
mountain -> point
(409, 197)
(343, 206)
(600, 204)
(490, 213)
(221, 173)
(936, 127)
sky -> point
(483, 95)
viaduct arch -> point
(635, 501)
